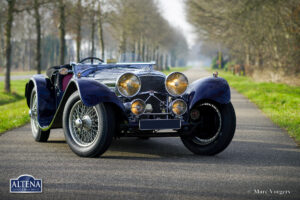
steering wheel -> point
(92, 59)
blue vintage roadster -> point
(95, 102)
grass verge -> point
(18, 90)
(280, 102)
(13, 115)
(14, 111)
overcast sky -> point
(174, 12)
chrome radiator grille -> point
(153, 83)
(157, 85)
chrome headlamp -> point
(138, 106)
(128, 85)
(176, 83)
(178, 107)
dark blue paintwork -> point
(46, 100)
(216, 89)
(93, 93)
(93, 89)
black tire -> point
(37, 133)
(198, 141)
(103, 135)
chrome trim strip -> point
(156, 114)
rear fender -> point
(91, 93)
(46, 105)
(211, 88)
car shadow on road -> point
(56, 141)
(240, 152)
(245, 153)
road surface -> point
(262, 162)
(17, 77)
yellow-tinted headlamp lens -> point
(128, 85)
(179, 107)
(176, 83)
(138, 106)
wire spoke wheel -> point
(33, 118)
(213, 130)
(88, 129)
(208, 127)
(84, 124)
(37, 133)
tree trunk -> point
(8, 26)
(100, 31)
(143, 49)
(122, 47)
(139, 52)
(167, 61)
(153, 53)
(157, 57)
(29, 59)
(148, 56)
(161, 62)
(1, 44)
(133, 52)
(247, 61)
(93, 35)
(62, 42)
(38, 35)
(78, 31)
(220, 55)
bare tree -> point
(62, 32)
(269, 31)
(37, 17)
(78, 19)
(100, 29)
(8, 27)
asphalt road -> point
(16, 77)
(262, 162)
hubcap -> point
(84, 124)
(78, 123)
(87, 122)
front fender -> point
(216, 89)
(92, 93)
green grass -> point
(13, 107)
(175, 69)
(13, 115)
(18, 91)
(280, 102)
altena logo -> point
(25, 184)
